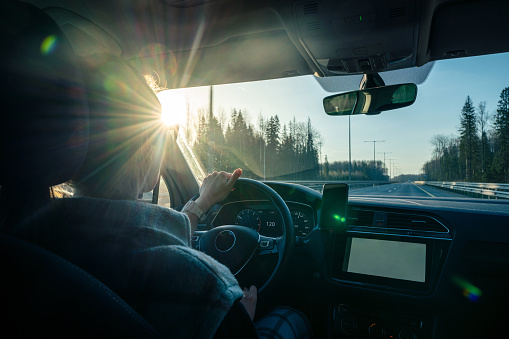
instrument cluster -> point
(262, 217)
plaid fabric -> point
(283, 323)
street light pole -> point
(374, 155)
(349, 151)
(390, 167)
(384, 153)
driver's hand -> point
(216, 188)
(249, 300)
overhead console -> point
(351, 37)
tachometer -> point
(302, 224)
(249, 218)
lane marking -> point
(422, 189)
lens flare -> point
(469, 291)
(49, 44)
(175, 106)
(115, 86)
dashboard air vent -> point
(311, 8)
(360, 217)
(397, 12)
(414, 222)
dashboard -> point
(400, 268)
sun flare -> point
(175, 107)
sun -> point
(175, 107)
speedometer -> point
(302, 224)
(249, 218)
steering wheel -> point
(234, 245)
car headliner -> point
(203, 42)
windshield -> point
(277, 130)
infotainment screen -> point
(386, 258)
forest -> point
(271, 150)
(480, 153)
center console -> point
(351, 322)
(388, 261)
(383, 264)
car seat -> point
(43, 141)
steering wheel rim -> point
(282, 245)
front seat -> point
(43, 141)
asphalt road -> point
(406, 189)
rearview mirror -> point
(371, 100)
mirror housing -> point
(371, 100)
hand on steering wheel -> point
(235, 245)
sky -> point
(406, 132)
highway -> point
(406, 189)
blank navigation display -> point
(384, 258)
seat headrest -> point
(125, 131)
(44, 118)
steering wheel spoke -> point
(195, 239)
(267, 245)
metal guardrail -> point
(489, 190)
(317, 185)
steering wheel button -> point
(264, 243)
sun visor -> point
(86, 38)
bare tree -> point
(483, 118)
(439, 142)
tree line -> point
(361, 170)
(270, 150)
(481, 151)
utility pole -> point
(211, 114)
(384, 153)
(374, 155)
(390, 167)
(349, 151)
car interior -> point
(356, 267)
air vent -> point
(397, 12)
(311, 8)
(360, 217)
(313, 26)
(414, 222)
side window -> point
(61, 191)
(164, 195)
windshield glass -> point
(277, 130)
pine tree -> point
(469, 140)
(326, 168)
(501, 128)
(273, 146)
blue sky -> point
(407, 132)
